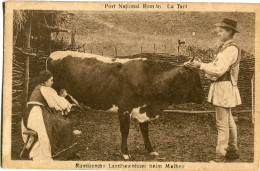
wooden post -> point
(165, 48)
(116, 51)
(26, 45)
(48, 37)
(178, 50)
(73, 43)
(253, 98)
(153, 48)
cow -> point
(146, 85)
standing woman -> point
(44, 116)
(223, 93)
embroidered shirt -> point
(223, 93)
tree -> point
(36, 26)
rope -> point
(65, 149)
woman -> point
(223, 93)
(44, 116)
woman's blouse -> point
(48, 96)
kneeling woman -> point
(44, 116)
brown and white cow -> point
(148, 86)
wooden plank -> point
(201, 112)
(26, 45)
(188, 111)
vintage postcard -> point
(131, 86)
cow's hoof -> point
(154, 153)
(127, 156)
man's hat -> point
(228, 23)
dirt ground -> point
(176, 137)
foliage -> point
(20, 18)
(43, 24)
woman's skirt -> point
(54, 132)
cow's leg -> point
(124, 119)
(145, 132)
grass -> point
(128, 31)
(176, 137)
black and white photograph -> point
(140, 85)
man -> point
(224, 93)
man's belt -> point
(224, 77)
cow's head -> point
(186, 86)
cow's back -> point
(92, 82)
